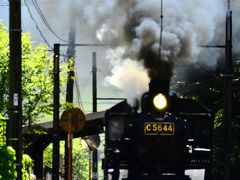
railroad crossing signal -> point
(73, 120)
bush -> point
(27, 166)
(7, 163)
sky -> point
(83, 54)
(134, 28)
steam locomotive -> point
(163, 140)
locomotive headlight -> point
(160, 101)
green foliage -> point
(36, 130)
(7, 155)
(47, 154)
(209, 90)
(37, 89)
(218, 143)
(235, 144)
(4, 54)
(27, 163)
(2, 130)
(37, 79)
(7, 165)
(80, 159)
(68, 105)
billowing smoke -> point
(135, 26)
(128, 75)
(186, 26)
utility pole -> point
(70, 84)
(94, 81)
(56, 105)
(14, 131)
(227, 121)
(94, 86)
(71, 62)
(228, 93)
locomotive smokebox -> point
(157, 98)
(159, 85)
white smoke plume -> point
(129, 75)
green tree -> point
(37, 83)
(7, 158)
(80, 159)
(37, 87)
(208, 88)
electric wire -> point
(87, 80)
(79, 99)
(84, 85)
(46, 3)
(211, 73)
(78, 89)
(192, 83)
(37, 27)
(35, 3)
(160, 45)
(102, 73)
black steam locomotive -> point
(162, 140)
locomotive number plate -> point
(159, 128)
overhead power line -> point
(43, 3)
(37, 27)
(35, 3)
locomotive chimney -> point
(159, 85)
(156, 86)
